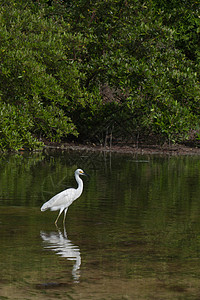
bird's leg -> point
(64, 231)
(65, 211)
(58, 216)
(57, 228)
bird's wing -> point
(64, 198)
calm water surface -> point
(133, 234)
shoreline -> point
(129, 148)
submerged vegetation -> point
(93, 70)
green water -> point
(133, 234)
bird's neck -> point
(79, 182)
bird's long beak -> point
(85, 174)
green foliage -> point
(57, 57)
(15, 125)
(36, 75)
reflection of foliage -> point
(30, 179)
(159, 194)
(167, 183)
(144, 209)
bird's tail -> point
(44, 207)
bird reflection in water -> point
(58, 242)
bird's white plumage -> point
(65, 198)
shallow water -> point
(133, 234)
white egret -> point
(65, 198)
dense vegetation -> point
(89, 70)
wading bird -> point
(65, 198)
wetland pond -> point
(133, 234)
